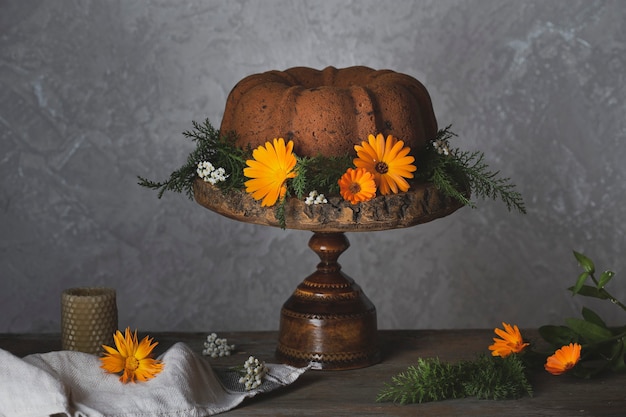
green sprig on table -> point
(603, 346)
(493, 377)
(486, 377)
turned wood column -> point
(328, 322)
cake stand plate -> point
(328, 323)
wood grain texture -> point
(350, 393)
(421, 204)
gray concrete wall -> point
(94, 93)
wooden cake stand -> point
(328, 322)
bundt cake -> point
(327, 112)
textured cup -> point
(88, 319)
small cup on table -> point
(88, 319)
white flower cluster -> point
(442, 147)
(209, 173)
(315, 198)
(255, 371)
(215, 347)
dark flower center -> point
(355, 188)
(382, 167)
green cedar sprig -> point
(213, 147)
(453, 174)
(486, 377)
(461, 170)
(319, 173)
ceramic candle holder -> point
(88, 319)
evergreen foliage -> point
(464, 170)
(213, 147)
(457, 174)
(486, 377)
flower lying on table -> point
(583, 347)
(563, 359)
(131, 358)
(510, 341)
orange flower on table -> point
(131, 357)
(271, 166)
(510, 341)
(563, 359)
(357, 185)
(388, 160)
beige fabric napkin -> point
(73, 384)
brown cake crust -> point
(327, 112)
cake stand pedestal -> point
(328, 323)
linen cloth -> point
(72, 384)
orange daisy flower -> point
(389, 162)
(357, 185)
(563, 359)
(510, 341)
(131, 357)
(269, 169)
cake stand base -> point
(328, 323)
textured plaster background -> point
(94, 93)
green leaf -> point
(605, 278)
(580, 282)
(592, 317)
(589, 291)
(597, 362)
(585, 263)
(591, 332)
(558, 335)
(617, 356)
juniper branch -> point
(211, 146)
(486, 377)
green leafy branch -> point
(212, 147)
(604, 347)
(458, 174)
(319, 173)
(486, 377)
(457, 171)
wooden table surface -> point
(352, 393)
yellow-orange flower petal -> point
(357, 185)
(388, 160)
(131, 358)
(271, 166)
(510, 341)
(563, 359)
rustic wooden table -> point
(349, 393)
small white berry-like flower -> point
(315, 198)
(255, 371)
(442, 147)
(320, 199)
(216, 347)
(210, 174)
